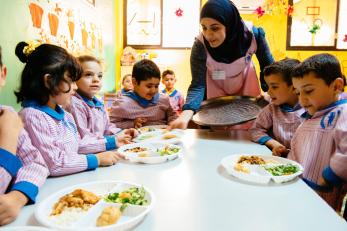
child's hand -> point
(123, 139)
(322, 182)
(131, 132)
(139, 121)
(280, 150)
(107, 158)
(10, 206)
(10, 128)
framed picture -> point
(180, 23)
(143, 23)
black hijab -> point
(238, 37)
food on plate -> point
(167, 150)
(281, 170)
(251, 160)
(109, 216)
(241, 168)
(168, 136)
(147, 129)
(135, 149)
(143, 154)
(79, 198)
(134, 196)
(146, 136)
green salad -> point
(134, 196)
(280, 170)
(146, 136)
(167, 150)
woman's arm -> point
(196, 90)
(263, 54)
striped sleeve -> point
(34, 171)
(118, 114)
(261, 126)
(9, 166)
(59, 161)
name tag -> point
(218, 75)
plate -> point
(25, 228)
(150, 152)
(78, 219)
(172, 137)
(257, 173)
(152, 128)
(228, 110)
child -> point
(144, 105)
(277, 122)
(176, 98)
(22, 169)
(92, 122)
(127, 85)
(47, 82)
(320, 142)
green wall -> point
(16, 26)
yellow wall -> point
(275, 27)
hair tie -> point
(32, 45)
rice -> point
(68, 216)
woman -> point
(221, 58)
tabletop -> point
(194, 192)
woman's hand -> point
(139, 121)
(182, 121)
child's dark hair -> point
(167, 72)
(144, 70)
(283, 67)
(124, 77)
(325, 66)
(88, 58)
(45, 59)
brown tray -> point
(228, 110)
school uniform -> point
(55, 134)
(25, 172)
(278, 123)
(176, 99)
(96, 132)
(320, 146)
(130, 106)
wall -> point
(276, 31)
(16, 25)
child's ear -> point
(3, 74)
(133, 80)
(338, 85)
(46, 79)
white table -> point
(195, 193)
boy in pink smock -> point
(320, 142)
(277, 122)
(143, 106)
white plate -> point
(25, 228)
(150, 155)
(173, 137)
(257, 173)
(152, 128)
(131, 216)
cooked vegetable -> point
(134, 196)
(167, 150)
(281, 170)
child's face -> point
(315, 94)
(279, 91)
(63, 98)
(128, 83)
(169, 81)
(146, 88)
(91, 81)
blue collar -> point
(143, 102)
(93, 102)
(288, 108)
(306, 115)
(331, 106)
(123, 91)
(57, 114)
(173, 93)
